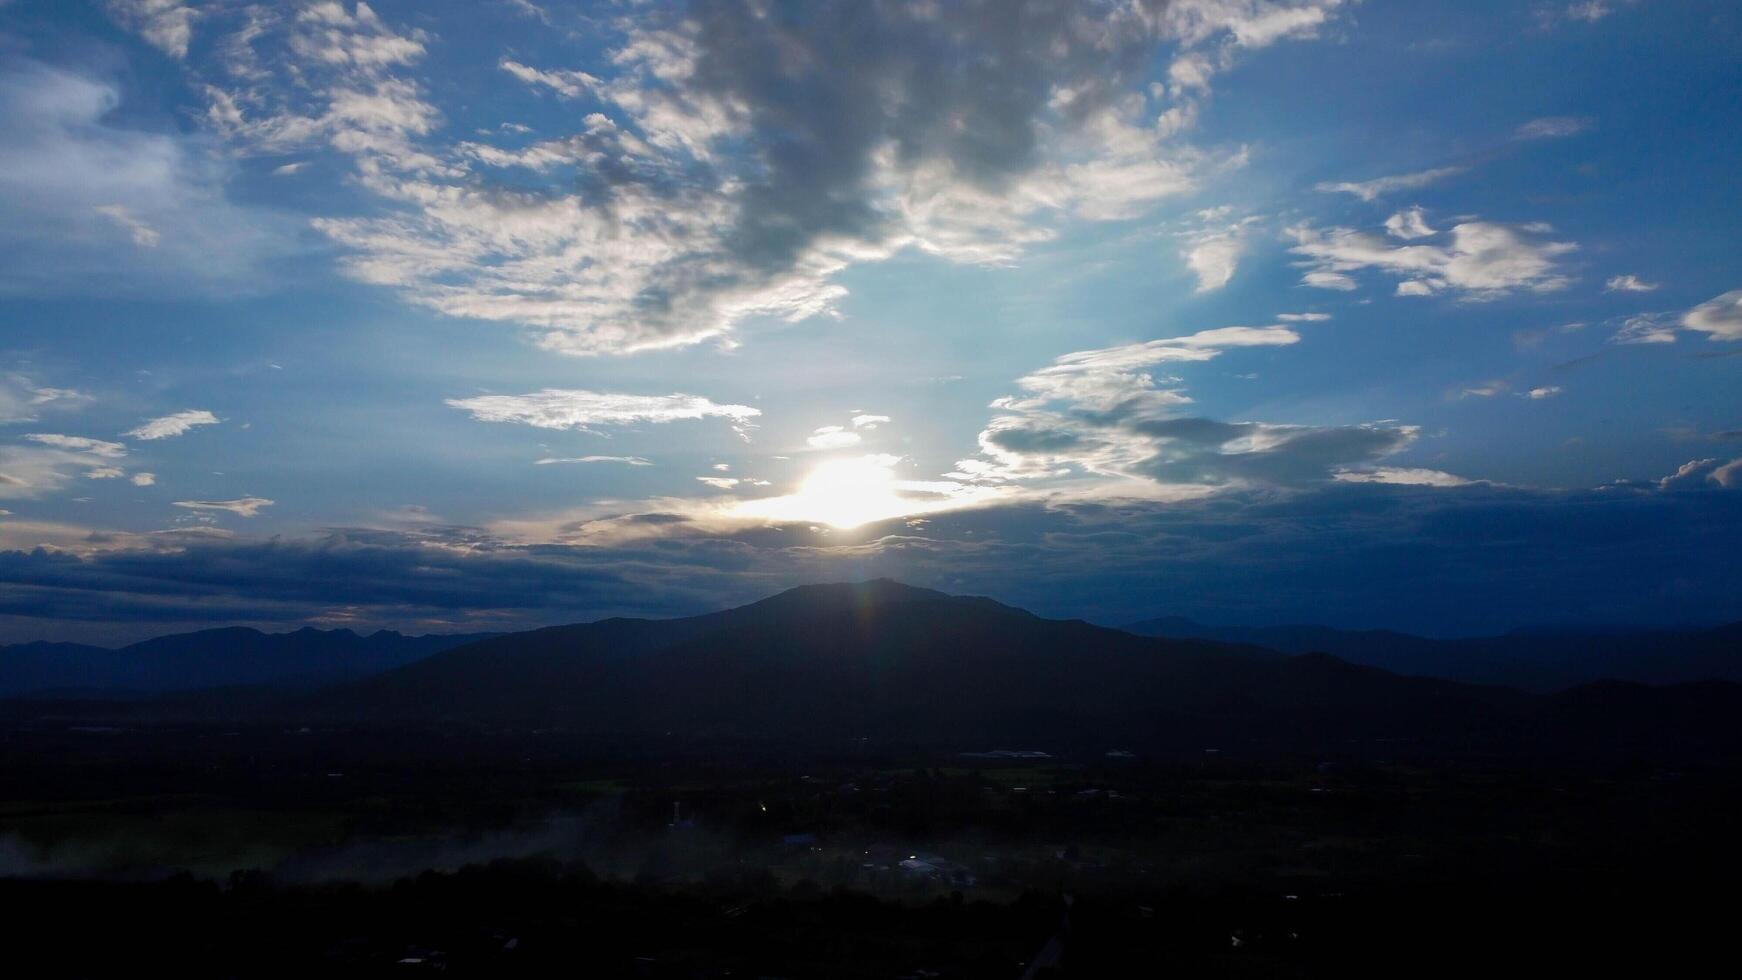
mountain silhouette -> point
(888, 664)
(1537, 660)
(213, 658)
(887, 661)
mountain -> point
(1536, 660)
(213, 658)
(887, 661)
(817, 668)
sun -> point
(852, 492)
(842, 493)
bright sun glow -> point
(848, 493)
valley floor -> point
(279, 852)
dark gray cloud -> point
(732, 155)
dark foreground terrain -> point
(250, 852)
(859, 781)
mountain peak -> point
(844, 596)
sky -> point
(446, 316)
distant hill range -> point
(830, 665)
(1547, 660)
(881, 661)
(213, 658)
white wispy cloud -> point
(1487, 389)
(1102, 414)
(167, 426)
(143, 235)
(1371, 190)
(1548, 15)
(625, 460)
(1546, 391)
(166, 24)
(568, 84)
(833, 437)
(88, 204)
(1477, 259)
(23, 400)
(1552, 127)
(1408, 224)
(564, 408)
(241, 506)
(1213, 260)
(1628, 284)
(1647, 328)
(53, 460)
(1401, 476)
(80, 444)
(144, 479)
(867, 421)
(1719, 318)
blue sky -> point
(483, 315)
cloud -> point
(1478, 259)
(1303, 317)
(89, 206)
(52, 461)
(1546, 391)
(737, 158)
(626, 460)
(168, 426)
(1486, 390)
(1320, 279)
(166, 24)
(1698, 474)
(1647, 328)
(241, 506)
(568, 84)
(1479, 559)
(1408, 224)
(1213, 260)
(1583, 11)
(1628, 284)
(560, 408)
(1719, 318)
(527, 8)
(720, 482)
(144, 479)
(23, 400)
(80, 444)
(869, 421)
(1101, 415)
(832, 437)
(1371, 190)
(143, 235)
(1552, 127)
(1402, 476)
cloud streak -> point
(569, 408)
(169, 426)
(241, 506)
(1474, 259)
(1372, 190)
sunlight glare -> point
(849, 493)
